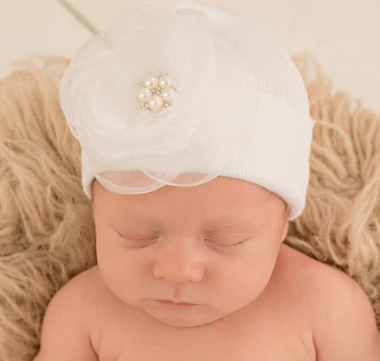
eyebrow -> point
(217, 228)
(219, 225)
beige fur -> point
(46, 226)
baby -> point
(195, 134)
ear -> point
(285, 231)
(286, 222)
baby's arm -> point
(65, 334)
(345, 326)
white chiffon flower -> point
(100, 91)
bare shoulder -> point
(88, 280)
(65, 333)
(76, 297)
(335, 305)
(87, 291)
(81, 288)
(321, 284)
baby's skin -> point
(219, 246)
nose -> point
(178, 262)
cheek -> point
(111, 254)
(248, 277)
(118, 268)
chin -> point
(183, 318)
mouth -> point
(178, 304)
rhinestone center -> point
(157, 93)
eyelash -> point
(227, 245)
(217, 244)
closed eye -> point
(137, 240)
(228, 245)
(207, 240)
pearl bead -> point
(169, 94)
(156, 103)
(145, 94)
(151, 82)
(165, 81)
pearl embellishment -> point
(157, 93)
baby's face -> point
(183, 244)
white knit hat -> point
(179, 93)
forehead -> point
(222, 194)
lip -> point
(175, 304)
